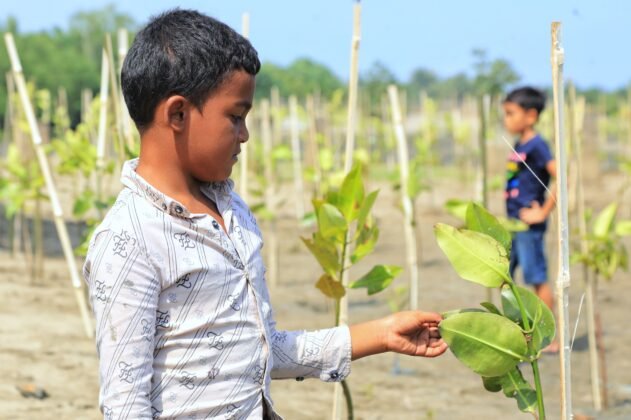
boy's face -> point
(517, 119)
(216, 133)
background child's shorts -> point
(528, 253)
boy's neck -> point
(166, 176)
(527, 135)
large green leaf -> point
(538, 313)
(331, 222)
(330, 287)
(604, 222)
(489, 344)
(351, 194)
(475, 256)
(514, 386)
(377, 279)
(325, 253)
(513, 225)
(480, 220)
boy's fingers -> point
(430, 317)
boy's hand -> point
(533, 215)
(414, 333)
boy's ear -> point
(532, 115)
(176, 112)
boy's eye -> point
(236, 118)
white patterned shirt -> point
(184, 325)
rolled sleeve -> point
(124, 293)
(324, 354)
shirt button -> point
(215, 224)
(334, 375)
(178, 209)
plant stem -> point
(531, 351)
(349, 400)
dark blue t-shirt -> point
(522, 188)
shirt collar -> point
(220, 190)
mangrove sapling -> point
(602, 254)
(493, 341)
(345, 234)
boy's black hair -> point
(528, 98)
(181, 52)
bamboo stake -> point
(296, 156)
(101, 139)
(243, 158)
(408, 209)
(123, 46)
(348, 163)
(270, 200)
(314, 148)
(563, 279)
(582, 228)
(60, 224)
(115, 98)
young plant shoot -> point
(493, 341)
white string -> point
(531, 171)
(578, 317)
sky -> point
(404, 34)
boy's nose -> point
(244, 135)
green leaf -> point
(377, 279)
(351, 194)
(457, 208)
(330, 287)
(325, 253)
(478, 219)
(489, 344)
(366, 206)
(475, 257)
(365, 243)
(538, 313)
(603, 224)
(331, 222)
(490, 306)
(514, 386)
(453, 312)
(623, 228)
(513, 225)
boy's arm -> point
(124, 294)
(537, 213)
(327, 353)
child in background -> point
(526, 191)
(184, 324)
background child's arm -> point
(414, 333)
(537, 213)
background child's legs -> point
(528, 253)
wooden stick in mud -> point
(123, 46)
(348, 163)
(114, 90)
(296, 157)
(102, 133)
(269, 194)
(563, 278)
(243, 157)
(60, 224)
(408, 209)
(575, 120)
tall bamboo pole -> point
(269, 194)
(60, 224)
(563, 279)
(123, 46)
(296, 157)
(101, 139)
(408, 210)
(116, 101)
(351, 124)
(243, 158)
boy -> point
(525, 194)
(175, 274)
